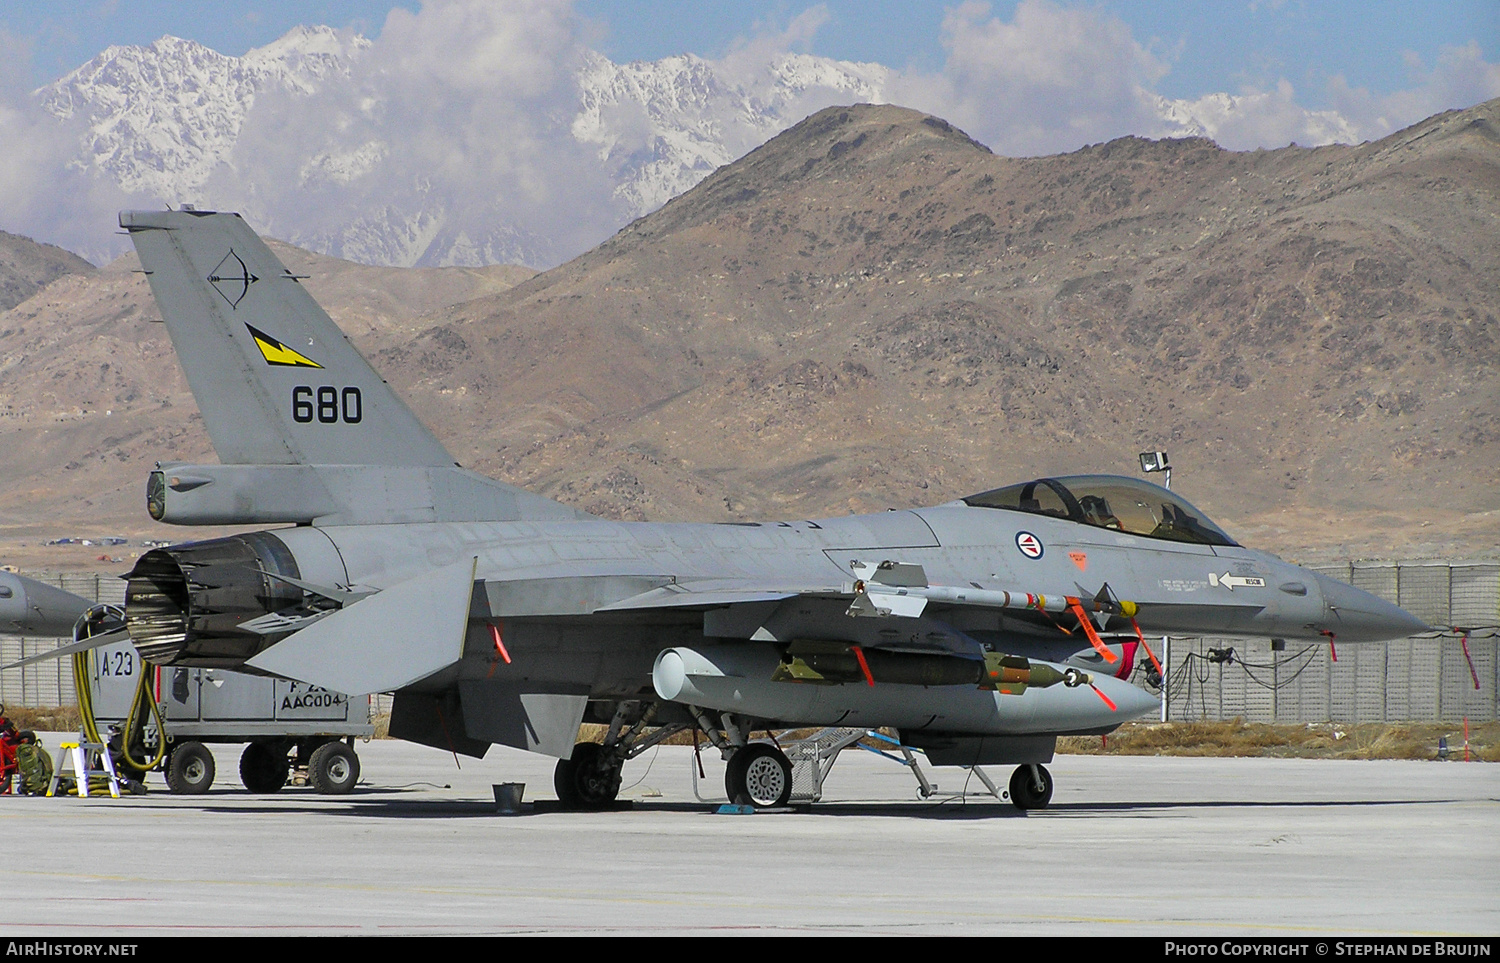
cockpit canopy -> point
(1108, 501)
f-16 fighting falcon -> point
(981, 629)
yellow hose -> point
(143, 699)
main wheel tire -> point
(263, 768)
(190, 771)
(1023, 792)
(759, 775)
(588, 780)
(563, 785)
(333, 769)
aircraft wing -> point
(712, 595)
(390, 639)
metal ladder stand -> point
(77, 754)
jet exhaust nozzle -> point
(184, 605)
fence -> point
(1449, 674)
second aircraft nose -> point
(1353, 615)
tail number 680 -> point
(328, 405)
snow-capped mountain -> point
(416, 156)
(698, 119)
(160, 118)
(164, 121)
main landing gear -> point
(590, 778)
(759, 775)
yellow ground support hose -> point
(143, 705)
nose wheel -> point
(759, 775)
(1031, 787)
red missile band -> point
(499, 645)
(1154, 660)
(859, 655)
(1088, 629)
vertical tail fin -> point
(277, 381)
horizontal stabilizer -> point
(82, 645)
(384, 642)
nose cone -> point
(1131, 701)
(28, 607)
(1357, 616)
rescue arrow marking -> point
(1230, 581)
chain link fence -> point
(1450, 673)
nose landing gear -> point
(1031, 787)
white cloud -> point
(1460, 78)
(1055, 78)
(476, 131)
(1052, 79)
(451, 131)
(1257, 118)
(44, 192)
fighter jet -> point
(981, 629)
(29, 607)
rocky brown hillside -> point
(873, 311)
(26, 267)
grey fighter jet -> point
(29, 607)
(981, 629)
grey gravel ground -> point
(1136, 846)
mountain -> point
(160, 118)
(370, 152)
(164, 121)
(698, 120)
(26, 267)
(872, 310)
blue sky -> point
(1226, 46)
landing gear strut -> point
(1031, 787)
(590, 778)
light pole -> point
(1152, 461)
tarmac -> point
(1139, 846)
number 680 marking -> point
(331, 406)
